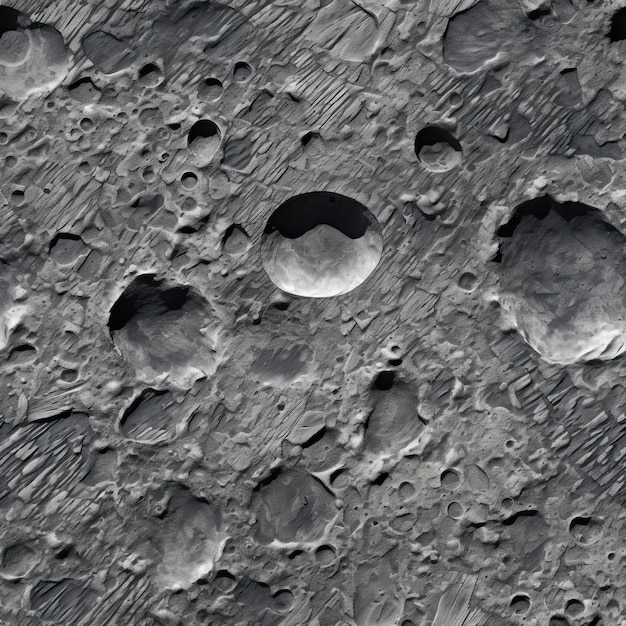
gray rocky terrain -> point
(313, 312)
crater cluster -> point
(312, 313)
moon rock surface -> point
(312, 313)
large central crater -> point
(321, 244)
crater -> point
(204, 139)
(67, 248)
(150, 75)
(190, 538)
(18, 560)
(437, 149)
(210, 89)
(153, 418)
(293, 506)
(586, 530)
(158, 327)
(108, 53)
(33, 57)
(520, 604)
(562, 280)
(475, 37)
(321, 244)
(345, 30)
(394, 421)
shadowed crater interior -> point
(157, 327)
(321, 244)
(437, 149)
(563, 268)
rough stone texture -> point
(443, 442)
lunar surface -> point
(313, 313)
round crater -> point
(437, 149)
(562, 269)
(18, 560)
(158, 328)
(150, 75)
(520, 604)
(450, 479)
(321, 244)
(33, 57)
(210, 88)
(204, 139)
(586, 530)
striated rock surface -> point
(312, 312)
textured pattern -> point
(440, 442)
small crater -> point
(574, 608)
(455, 510)
(586, 530)
(69, 375)
(188, 180)
(204, 139)
(467, 281)
(437, 149)
(293, 506)
(150, 75)
(320, 245)
(520, 604)
(283, 601)
(66, 249)
(406, 491)
(235, 240)
(450, 479)
(158, 328)
(23, 353)
(325, 555)
(242, 72)
(18, 560)
(152, 418)
(210, 89)
(224, 581)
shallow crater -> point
(562, 280)
(158, 328)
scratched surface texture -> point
(312, 313)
